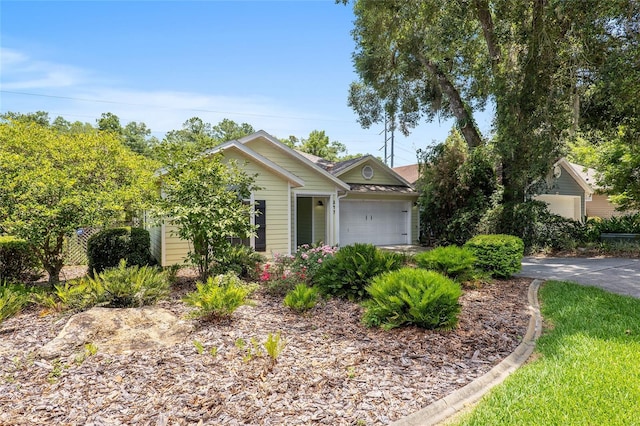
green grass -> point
(586, 369)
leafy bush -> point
(17, 261)
(412, 296)
(537, 227)
(453, 261)
(242, 260)
(132, 286)
(287, 271)
(76, 295)
(218, 297)
(351, 269)
(280, 276)
(501, 255)
(309, 259)
(108, 247)
(302, 298)
(627, 224)
(12, 300)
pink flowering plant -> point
(310, 258)
(285, 272)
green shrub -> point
(302, 298)
(108, 247)
(121, 287)
(453, 261)
(242, 260)
(627, 224)
(17, 261)
(132, 286)
(218, 298)
(12, 300)
(501, 255)
(351, 269)
(538, 228)
(412, 296)
(309, 259)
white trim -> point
(259, 159)
(275, 142)
(380, 164)
(576, 177)
(163, 244)
(252, 201)
(289, 209)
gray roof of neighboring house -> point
(588, 174)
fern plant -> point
(302, 298)
(133, 286)
(412, 296)
(218, 297)
(12, 300)
(351, 269)
(453, 261)
(274, 346)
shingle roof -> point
(410, 173)
(397, 189)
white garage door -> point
(375, 222)
(563, 205)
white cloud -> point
(21, 72)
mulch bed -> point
(332, 371)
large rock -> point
(118, 331)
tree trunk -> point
(459, 110)
(52, 258)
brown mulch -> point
(332, 371)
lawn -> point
(586, 368)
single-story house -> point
(305, 199)
(573, 192)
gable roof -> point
(295, 154)
(260, 159)
(347, 165)
(588, 174)
(580, 180)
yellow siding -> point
(175, 248)
(275, 192)
(380, 175)
(320, 220)
(415, 225)
(313, 180)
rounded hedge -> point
(499, 254)
(17, 260)
(106, 248)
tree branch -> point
(456, 104)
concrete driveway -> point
(617, 275)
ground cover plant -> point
(586, 371)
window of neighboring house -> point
(260, 221)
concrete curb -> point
(464, 397)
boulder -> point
(118, 331)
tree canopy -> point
(54, 183)
(205, 198)
(533, 60)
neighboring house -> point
(410, 173)
(305, 199)
(573, 192)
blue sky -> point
(281, 66)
